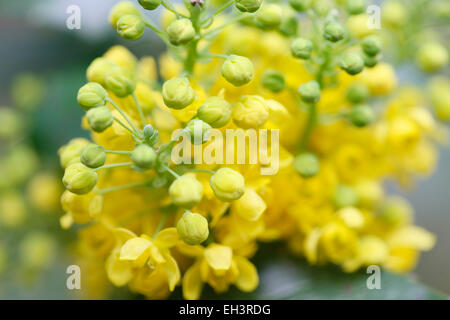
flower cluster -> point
(297, 67)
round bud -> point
(396, 212)
(248, 5)
(93, 156)
(228, 185)
(250, 112)
(250, 206)
(358, 92)
(269, 17)
(79, 179)
(306, 164)
(70, 153)
(301, 48)
(215, 111)
(199, 131)
(362, 115)
(186, 191)
(97, 70)
(352, 63)
(193, 228)
(143, 157)
(333, 31)
(120, 81)
(394, 14)
(238, 70)
(369, 61)
(289, 25)
(149, 4)
(151, 135)
(131, 27)
(99, 118)
(356, 6)
(91, 95)
(273, 80)
(121, 9)
(345, 196)
(177, 93)
(300, 5)
(439, 91)
(432, 56)
(371, 45)
(309, 91)
(180, 31)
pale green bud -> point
(356, 6)
(199, 131)
(310, 91)
(396, 212)
(37, 250)
(97, 70)
(248, 5)
(180, 31)
(151, 135)
(369, 61)
(345, 196)
(273, 80)
(362, 115)
(143, 157)
(394, 14)
(357, 93)
(11, 123)
(71, 152)
(289, 25)
(215, 111)
(238, 70)
(99, 118)
(269, 17)
(300, 5)
(150, 4)
(432, 56)
(121, 9)
(301, 48)
(91, 95)
(93, 156)
(334, 31)
(186, 191)
(120, 81)
(193, 228)
(79, 179)
(228, 185)
(131, 27)
(352, 63)
(178, 93)
(306, 164)
(371, 45)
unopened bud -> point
(79, 179)
(131, 27)
(362, 115)
(250, 112)
(121, 9)
(99, 118)
(93, 156)
(186, 191)
(97, 70)
(310, 91)
(149, 4)
(352, 63)
(199, 131)
(371, 45)
(334, 31)
(273, 80)
(432, 56)
(301, 48)
(300, 5)
(91, 95)
(215, 111)
(180, 31)
(120, 81)
(248, 5)
(228, 185)
(143, 157)
(269, 17)
(306, 164)
(356, 6)
(357, 93)
(193, 228)
(345, 196)
(178, 93)
(151, 135)
(238, 70)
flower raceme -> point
(157, 223)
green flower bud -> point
(323, 7)
(357, 93)
(362, 115)
(356, 6)
(394, 14)
(193, 228)
(432, 56)
(99, 118)
(369, 61)
(79, 179)
(91, 95)
(11, 123)
(310, 91)
(143, 157)
(151, 135)
(371, 45)
(93, 156)
(301, 48)
(238, 70)
(215, 111)
(273, 80)
(198, 130)
(149, 4)
(180, 31)
(120, 81)
(352, 63)
(37, 250)
(248, 5)
(439, 91)
(345, 196)
(306, 164)
(300, 5)
(177, 93)
(269, 17)
(97, 70)
(121, 9)
(71, 152)
(396, 212)
(228, 185)
(289, 24)
(131, 27)
(186, 191)
(334, 31)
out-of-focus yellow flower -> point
(13, 209)
(44, 191)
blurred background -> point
(42, 58)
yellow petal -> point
(192, 283)
(122, 235)
(135, 249)
(118, 272)
(190, 251)
(412, 237)
(248, 275)
(311, 244)
(173, 272)
(155, 255)
(167, 238)
(218, 257)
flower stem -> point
(114, 165)
(125, 186)
(135, 129)
(138, 107)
